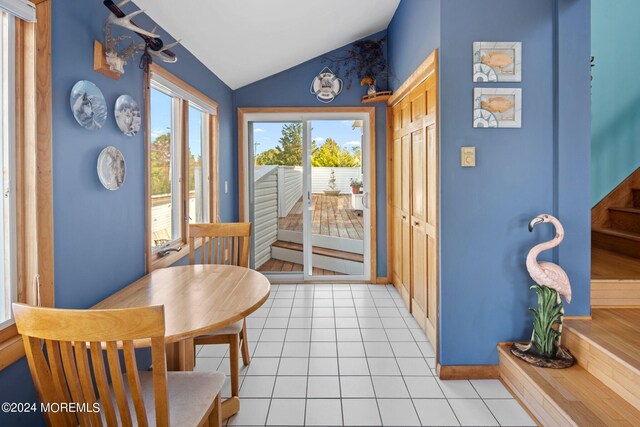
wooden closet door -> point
(419, 253)
(407, 292)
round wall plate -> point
(88, 105)
(127, 114)
(111, 168)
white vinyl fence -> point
(265, 208)
(320, 178)
(289, 188)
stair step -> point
(636, 197)
(608, 347)
(564, 397)
(620, 241)
(627, 219)
(320, 251)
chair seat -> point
(190, 395)
(232, 329)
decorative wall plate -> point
(111, 168)
(88, 105)
(127, 115)
(326, 86)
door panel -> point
(397, 247)
(419, 176)
(419, 272)
(397, 173)
(431, 176)
(406, 170)
(406, 258)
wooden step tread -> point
(332, 253)
(623, 209)
(565, 396)
(615, 331)
(618, 233)
(609, 265)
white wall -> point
(320, 179)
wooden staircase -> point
(615, 240)
(603, 389)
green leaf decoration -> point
(546, 320)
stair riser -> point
(627, 221)
(619, 377)
(541, 406)
(615, 244)
(636, 199)
(333, 264)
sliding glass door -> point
(308, 195)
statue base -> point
(563, 359)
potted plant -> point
(364, 61)
(332, 191)
(356, 186)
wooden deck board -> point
(332, 216)
(274, 265)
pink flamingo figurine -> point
(547, 273)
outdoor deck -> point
(332, 216)
(276, 265)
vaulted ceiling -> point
(243, 41)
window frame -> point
(186, 97)
(33, 175)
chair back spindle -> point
(82, 349)
(221, 243)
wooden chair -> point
(224, 243)
(65, 373)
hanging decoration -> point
(110, 60)
(326, 86)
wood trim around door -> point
(371, 111)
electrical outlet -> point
(468, 157)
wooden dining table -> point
(197, 299)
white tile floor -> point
(351, 355)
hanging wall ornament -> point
(88, 105)
(326, 86)
(127, 115)
(111, 168)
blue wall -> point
(290, 88)
(414, 32)
(615, 142)
(99, 235)
(521, 172)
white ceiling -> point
(243, 41)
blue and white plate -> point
(88, 105)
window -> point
(26, 217)
(8, 162)
(182, 154)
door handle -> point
(365, 199)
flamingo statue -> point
(547, 273)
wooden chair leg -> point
(234, 346)
(215, 418)
(245, 344)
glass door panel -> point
(338, 205)
(276, 196)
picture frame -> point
(497, 108)
(495, 62)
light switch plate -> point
(468, 157)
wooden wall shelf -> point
(100, 61)
(377, 97)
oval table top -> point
(197, 299)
